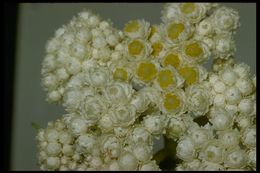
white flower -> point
(221, 119)
(97, 76)
(72, 65)
(53, 163)
(195, 51)
(68, 150)
(229, 138)
(176, 128)
(50, 81)
(93, 107)
(143, 152)
(140, 133)
(53, 149)
(85, 143)
(243, 121)
(205, 27)
(212, 151)
(211, 166)
(53, 96)
(65, 137)
(99, 42)
(219, 86)
(72, 98)
(140, 101)
(235, 158)
(155, 124)
(198, 100)
(127, 161)
(225, 20)
(110, 146)
(229, 76)
(118, 92)
(249, 136)
(242, 69)
(224, 46)
(246, 106)
(149, 166)
(200, 135)
(137, 49)
(137, 29)
(175, 32)
(78, 125)
(122, 115)
(185, 149)
(245, 86)
(105, 123)
(233, 95)
(51, 135)
(173, 102)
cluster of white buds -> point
(124, 89)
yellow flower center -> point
(190, 75)
(174, 30)
(165, 78)
(120, 74)
(172, 59)
(157, 48)
(188, 8)
(171, 102)
(132, 26)
(146, 71)
(135, 48)
(193, 50)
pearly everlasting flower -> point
(212, 151)
(198, 100)
(225, 20)
(249, 137)
(220, 118)
(137, 29)
(97, 76)
(122, 115)
(155, 124)
(235, 158)
(149, 166)
(185, 149)
(118, 92)
(127, 161)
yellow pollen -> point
(190, 75)
(188, 8)
(193, 50)
(132, 26)
(135, 47)
(146, 71)
(165, 78)
(171, 102)
(174, 30)
(157, 48)
(120, 74)
(172, 59)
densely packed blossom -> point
(124, 89)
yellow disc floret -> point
(190, 74)
(188, 8)
(135, 48)
(157, 48)
(165, 78)
(171, 102)
(146, 71)
(174, 30)
(193, 50)
(171, 59)
(120, 74)
(132, 26)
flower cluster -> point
(123, 89)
